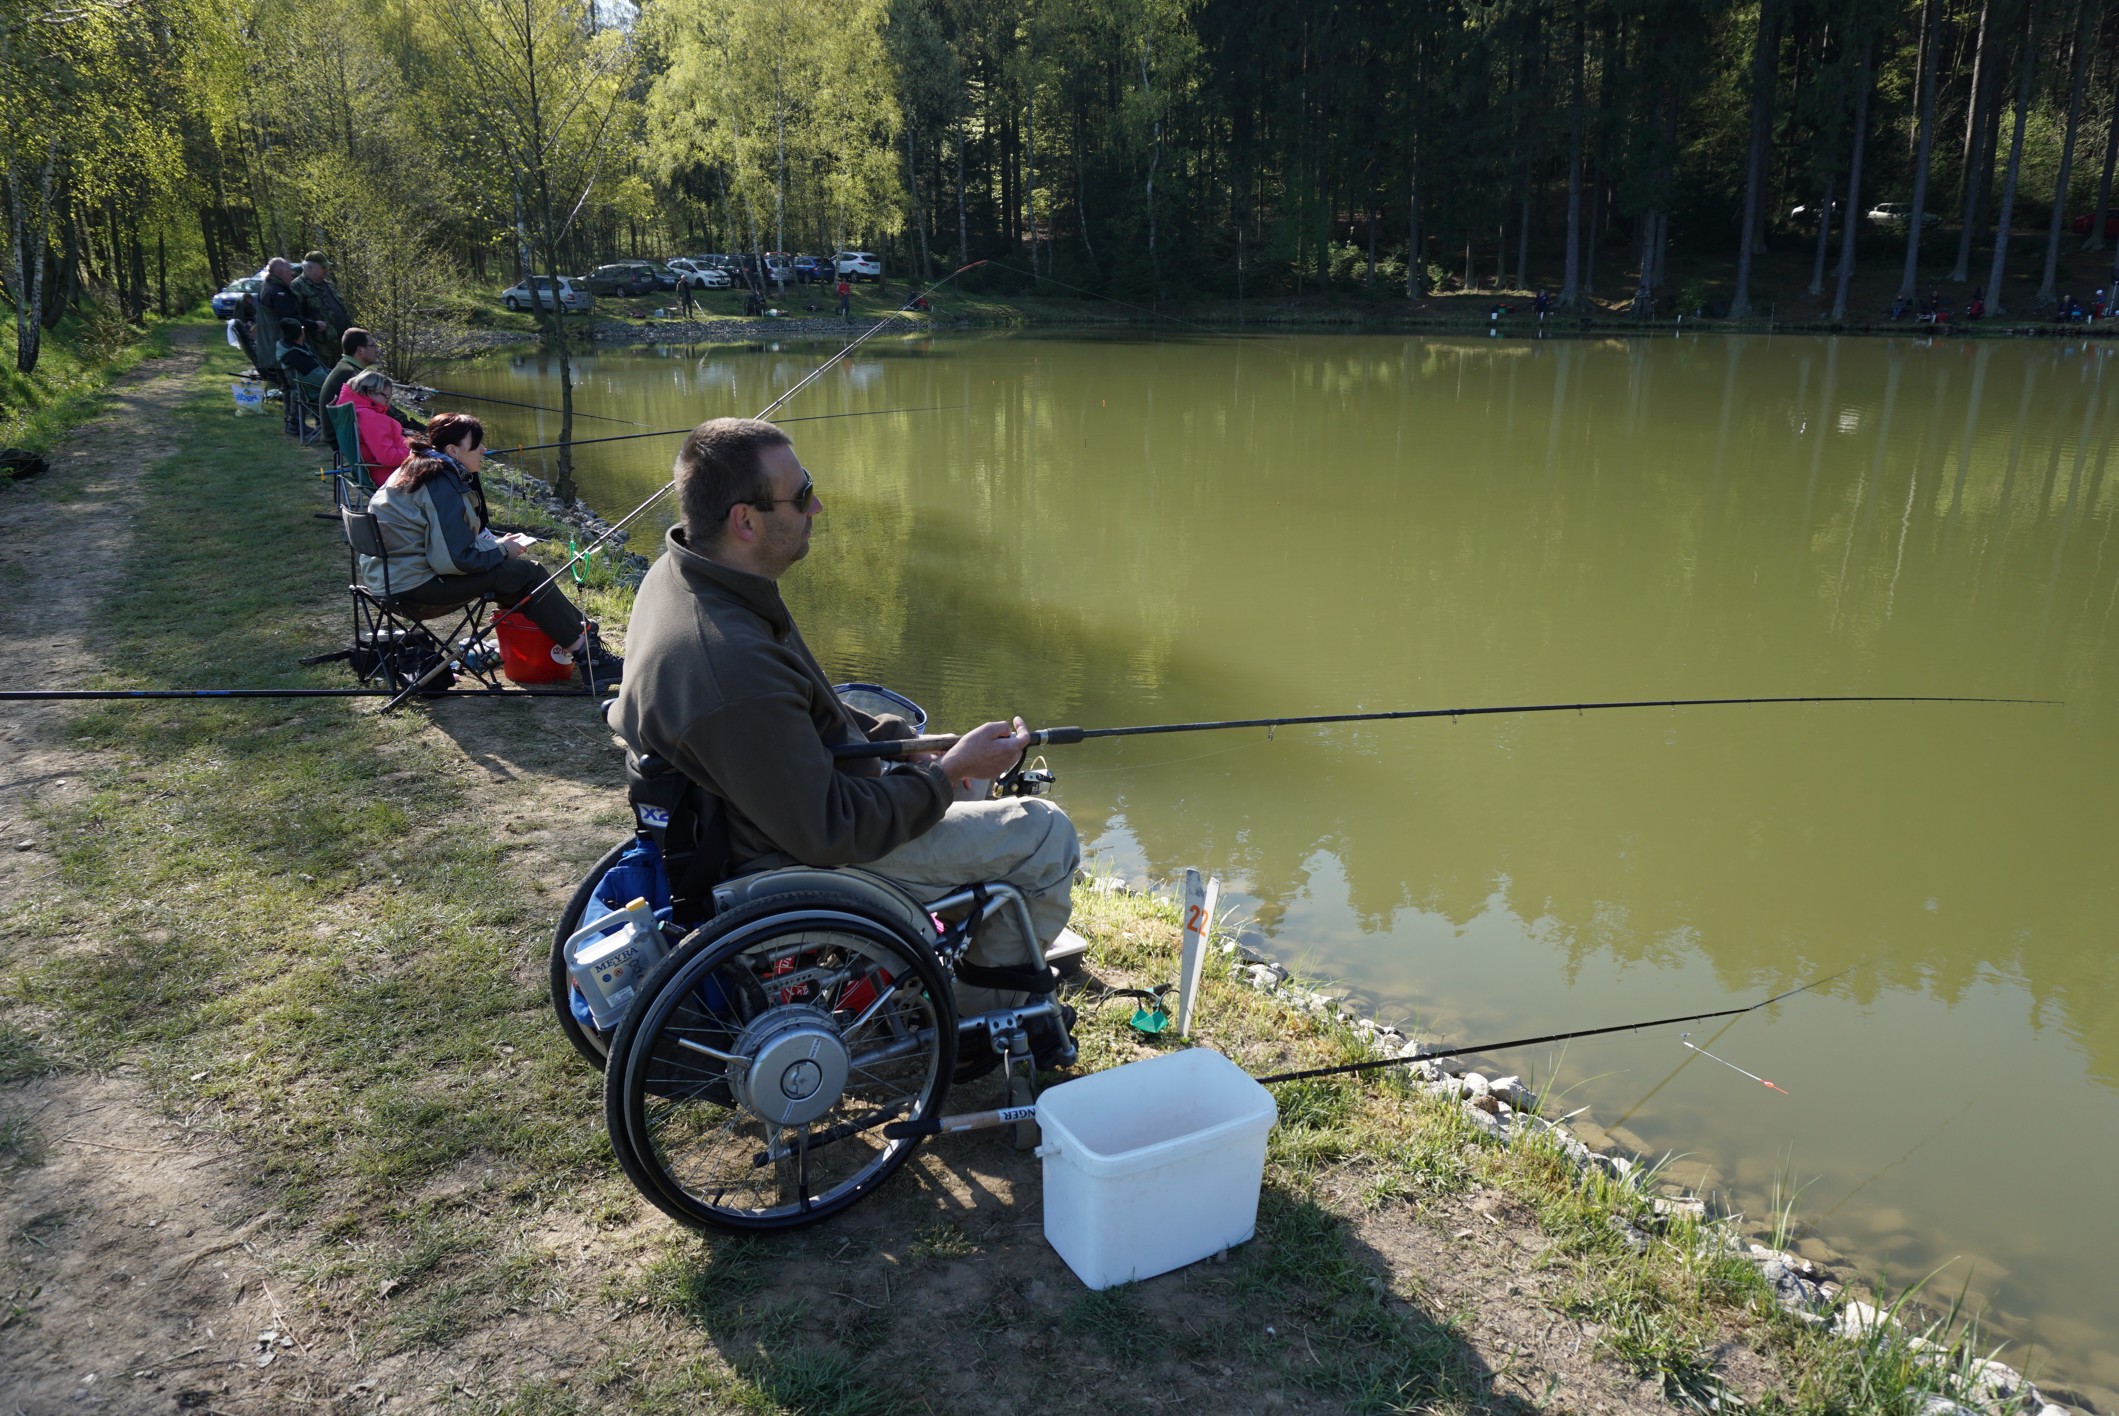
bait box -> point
(1153, 1165)
(608, 959)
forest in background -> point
(1168, 149)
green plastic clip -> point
(1156, 1016)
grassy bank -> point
(76, 363)
(316, 936)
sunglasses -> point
(804, 495)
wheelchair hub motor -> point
(791, 1066)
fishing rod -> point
(1065, 737)
(764, 413)
(1374, 1063)
(983, 1120)
(679, 432)
(511, 403)
(58, 695)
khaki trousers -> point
(1026, 842)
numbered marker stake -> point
(1199, 923)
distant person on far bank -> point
(322, 309)
(845, 294)
(684, 295)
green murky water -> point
(1118, 531)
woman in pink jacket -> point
(383, 446)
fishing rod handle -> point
(942, 742)
(894, 747)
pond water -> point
(1106, 531)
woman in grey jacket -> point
(440, 552)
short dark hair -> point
(293, 331)
(316, 258)
(720, 465)
(353, 340)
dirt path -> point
(133, 1276)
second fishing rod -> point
(1067, 736)
(767, 411)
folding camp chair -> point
(401, 644)
(353, 478)
(305, 396)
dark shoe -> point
(597, 666)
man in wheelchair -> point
(720, 685)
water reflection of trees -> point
(1106, 532)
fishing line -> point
(766, 412)
(679, 432)
(44, 695)
(1904, 1156)
(511, 403)
(1672, 1075)
(1064, 737)
(1374, 1063)
(1158, 762)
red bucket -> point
(527, 653)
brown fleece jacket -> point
(719, 684)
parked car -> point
(1806, 215)
(698, 274)
(658, 277)
(573, 299)
(2080, 226)
(809, 268)
(621, 278)
(779, 267)
(227, 299)
(1898, 214)
(858, 265)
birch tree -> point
(544, 87)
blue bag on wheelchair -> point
(637, 874)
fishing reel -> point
(1027, 778)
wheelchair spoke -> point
(767, 1010)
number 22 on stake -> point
(1199, 920)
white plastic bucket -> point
(1153, 1165)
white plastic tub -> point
(1153, 1165)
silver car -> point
(537, 291)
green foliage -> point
(37, 408)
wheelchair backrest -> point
(688, 826)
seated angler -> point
(299, 369)
(721, 686)
(382, 438)
(293, 352)
(441, 553)
(360, 351)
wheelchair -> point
(796, 1043)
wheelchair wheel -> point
(589, 1044)
(751, 1080)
